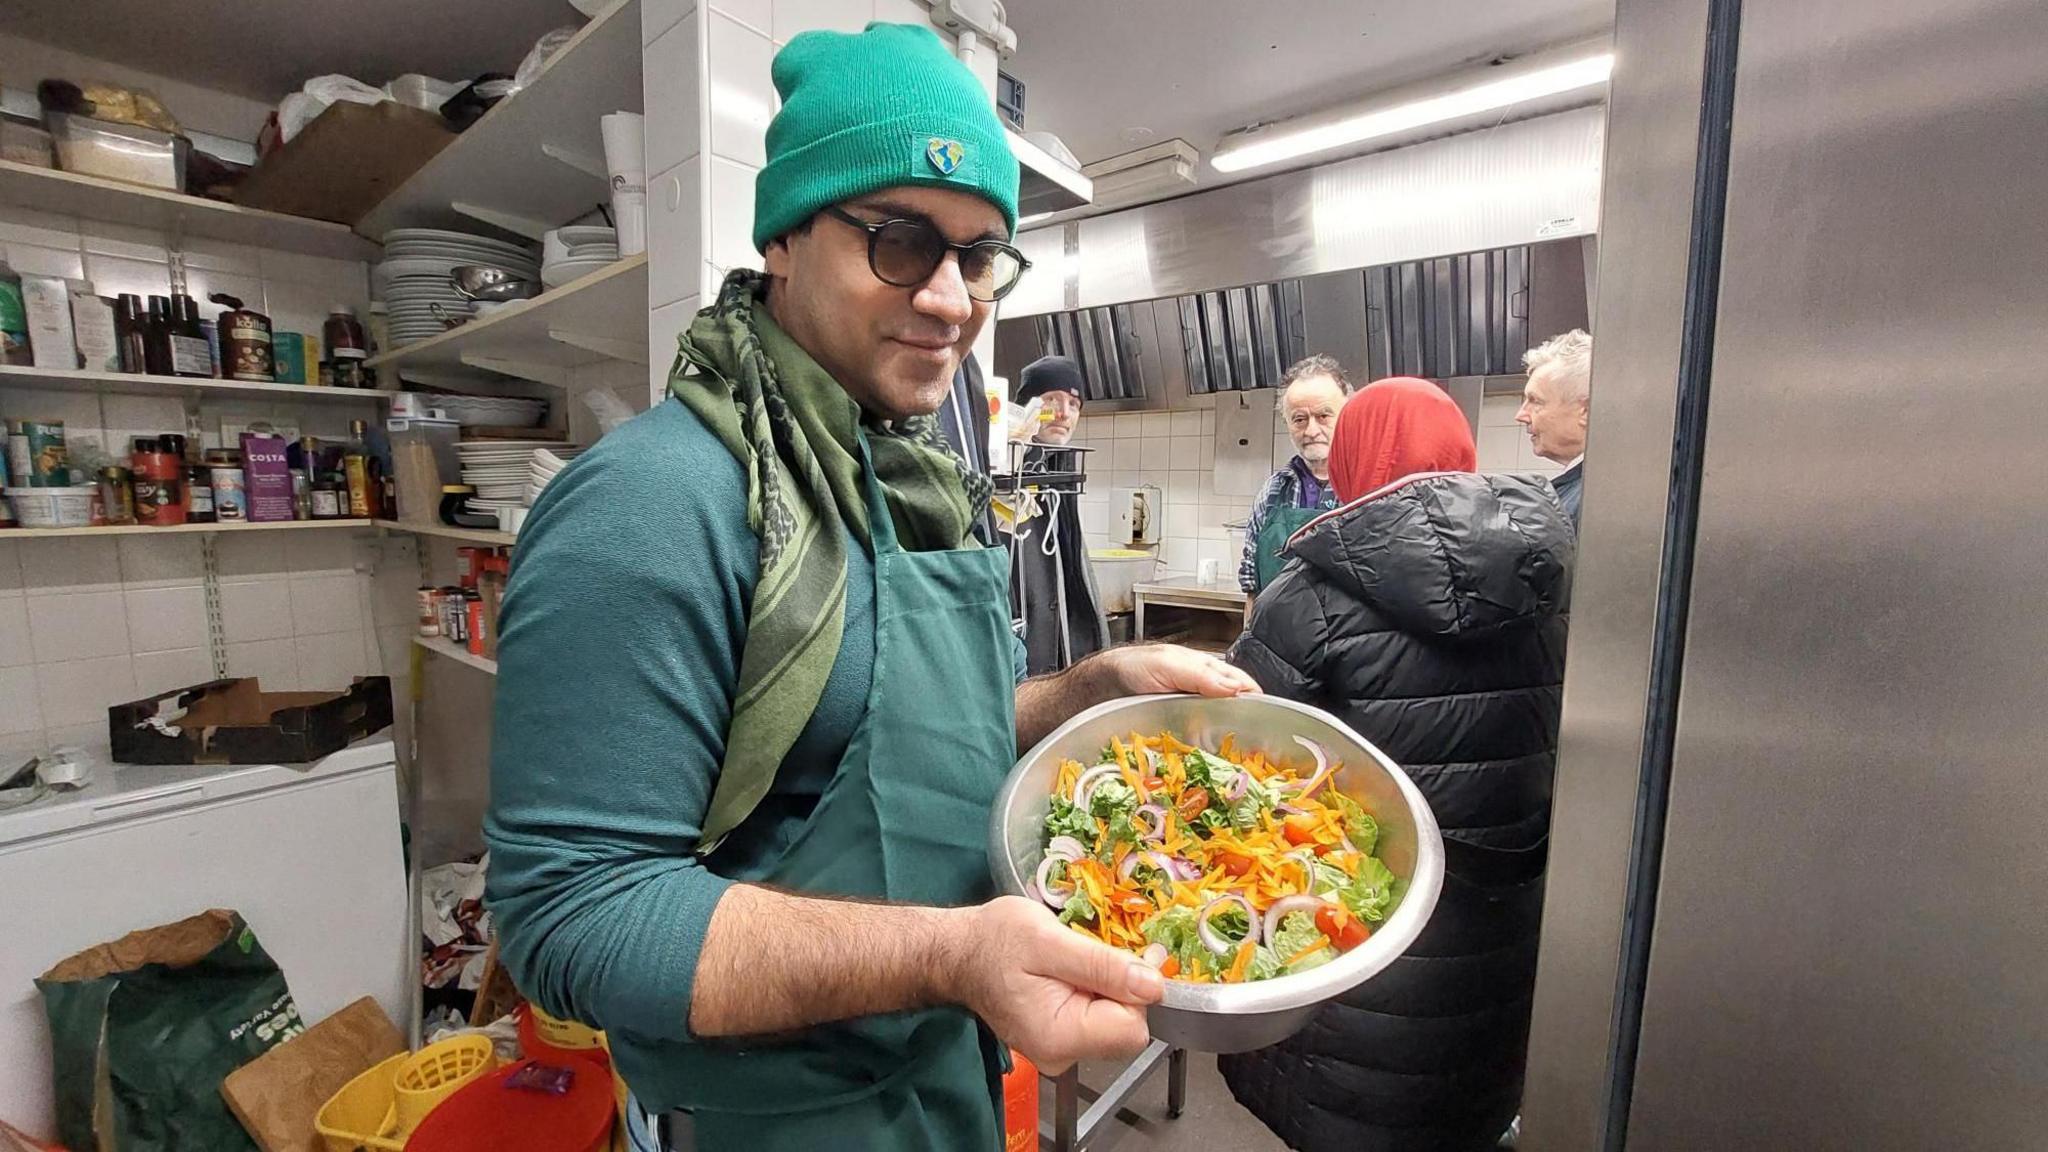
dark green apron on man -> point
(1280, 526)
(905, 818)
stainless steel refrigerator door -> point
(1849, 943)
(1653, 126)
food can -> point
(467, 567)
(473, 622)
(36, 455)
(230, 495)
(245, 348)
(117, 494)
(430, 614)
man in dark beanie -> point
(1052, 589)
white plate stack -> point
(499, 470)
(543, 467)
(575, 252)
(490, 411)
(413, 279)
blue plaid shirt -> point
(1291, 487)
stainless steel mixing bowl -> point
(1239, 1017)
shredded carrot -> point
(1243, 963)
(1321, 941)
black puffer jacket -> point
(1432, 620)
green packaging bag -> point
(144, 1029)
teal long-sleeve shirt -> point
(619, 649)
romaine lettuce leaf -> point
(1297, 931)
(1112, 798)
(1066, 819)
(1359, 825)
(1078, 907)
(1373, 893)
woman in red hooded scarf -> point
(1428, 613)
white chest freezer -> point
(308, 854)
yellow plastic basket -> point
(434, 1073)
(354, 1118)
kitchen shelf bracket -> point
(581, 159)
(511, 222)
(610, 347)
(545, 373)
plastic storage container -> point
(52, 507)
(434, 1073)
(119, 151)
(354, 1118)
(423, 458)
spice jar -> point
(117, 494)
(190, 353)
(198, 494)
(346, 347)
(430, 614)
(329, 497)
(245, 352)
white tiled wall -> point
(1503, 444)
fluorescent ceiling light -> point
(1282, 143)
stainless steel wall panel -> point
(1849, 943)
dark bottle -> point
(191, 355)
(131, 332)
(156, 337)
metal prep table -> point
(1188, 593)
(1071, 1131)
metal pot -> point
(1239, 1017)
(1117, 572)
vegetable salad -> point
(1215, 867)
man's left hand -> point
(1143, 669)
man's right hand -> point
(1048, 991)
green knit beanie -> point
(885, 108)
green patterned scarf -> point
(797, 434)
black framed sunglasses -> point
(905, 254)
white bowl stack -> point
(491, 411)
(413, 279)
(499, 470)
(575, 252)
(545, 464)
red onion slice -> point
(1042, 880)
(1067, 847)
(1285, 907)
(1212, 939)
(1308, 868)
(1185, 869)
(1086, 783)
(1322, 766)
(1157, 829)
(1235, 790)
(1159, 860)
(1154, 954)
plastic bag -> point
(536, 61)
(302, 107)
(422, 92)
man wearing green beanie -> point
(756, 685)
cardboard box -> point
(345, 162)
(236, 722)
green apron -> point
(904, 819)
(1280, 526)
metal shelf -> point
(602, 316)
(115, 202)
(446, 532)
(536, 159)
(179, 529)
(1045, 185)
(197, 388)
(440, 646)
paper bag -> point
(277, 1095)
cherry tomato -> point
(1193, 803)
(1154, 783)
(1343, 930)
(1135, 905)
(1233, 863)
(1299, 830)
(1171, 968)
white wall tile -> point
(1216, 550)
(1155, 423)
(78, 692)
(10, 566)
(79, 411)
(331, 661)
(155, 413)
(1187, 448)
(164, 619)
(322, 553)
(1180, 520)
(1498, 411)
(673, 97)
(161, 562)
(349, 277)
(1186, 423)
(249, 554)
(202, 283)
(1094, 517)
(78, 626)
(323, 605)
(755, 14)
(1124, 455)
(1156, 452)
(1206, 450)
(902, 12)
(274, 662)
(794, 16)
(37, 260)
(21, 708)
(167, 671)
(1128, 426)
(113, 275)
(732, 217)
(658, 16)
(70, 565)
(1180, 555)
(675, 233)
(664, 324)
(21, 225)
(221, 256)
(123, 240)
(741, 94)
(15, 648)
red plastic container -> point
(490, 1116)
(1020, 1105)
